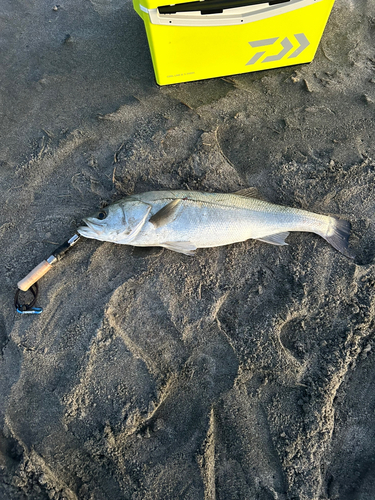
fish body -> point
(186, 220)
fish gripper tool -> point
(29, 282)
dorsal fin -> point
(166, 214)
(250, 192)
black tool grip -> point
(61, 250)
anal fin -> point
(275, 239)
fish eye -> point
(102, 215)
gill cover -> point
(135, 214)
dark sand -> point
(246, 372)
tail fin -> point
(339, 239)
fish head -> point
(117, 223)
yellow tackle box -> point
(209, 38)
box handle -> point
(213, 6)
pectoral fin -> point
(166, 214)
(180, 246)
(275, 239)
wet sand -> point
(245, 372)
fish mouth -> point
(92, 228)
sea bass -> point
(183, 221)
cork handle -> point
(34, 275)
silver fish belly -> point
(186, 220)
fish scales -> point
(209, 219)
